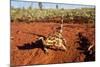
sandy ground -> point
(21, 36)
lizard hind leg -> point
(64, 47)
(46, 50)
(44, 45)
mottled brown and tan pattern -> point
(56, 40)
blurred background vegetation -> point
(78, 15)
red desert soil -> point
(20, 34)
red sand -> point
(36, 55)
